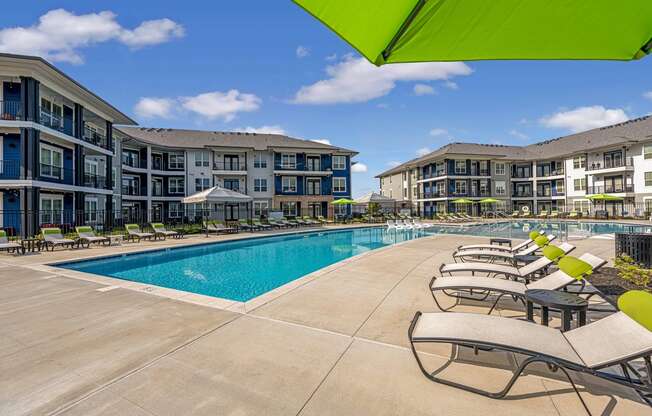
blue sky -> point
(267, 65)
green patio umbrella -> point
(392, 31)
(605, 197)
(343, 201)
(488, 201)
(462, 201)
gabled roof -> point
(199, 139)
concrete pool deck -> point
(334, 345)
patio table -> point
(566, 302)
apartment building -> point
(67, 157)
(558, 174)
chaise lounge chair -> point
(87, 236)
(614, 341)
(532, 235)
(543, 213)
(515, 214)
(499, 255)
(52, 238)
(217, 227)
(572, 271)
(573, 214)
(260, 225)
(10, 246)
(135, 234)
(551, 253)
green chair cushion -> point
(552, 252)
(637, 304)
(157, 225)
(534, 234)
(84, 229)
(3, 233)
(541, 241)
(575, 267)
(47, 231)
(131, 226)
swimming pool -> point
(242, 270)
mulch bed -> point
(610, 284)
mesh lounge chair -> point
(532, 235)
(573, 214)
(571, 271)
(323, 220)
(543, 213)
(554, 214)
(289, 223)
(500, 255)
(260, 225)
(514, 214)
(551, 253)
(218, 227)
(313, 222)
(10, 246)
(161, 231)
(244, 224)
(52, 237)
(135, 234)
(87, 236)
(616, 340)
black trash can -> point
(638, 246)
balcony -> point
(92, 180)
(50, 120)
(230, 166)
(479, 193)
(9, 169)
(97, 138)
(522, 194)
(611, 164)
(609, 189)
(480, 172)
(437, 193)
(521, 175)
(11, 110)
(436, 174)
(131, 190)
(549, 173)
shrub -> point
(632, 272)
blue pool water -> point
(242, 270)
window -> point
(114, 176)
(51, 209)
(175, 210)
(202, 184)
(130, 158)
(579, 162)
(647, 151)
(579, 184)
(260, 185)
(260, 208)
(499, 168)
(341, 210)
(201, 159)
(260, 161)
(288, 161)
(500, 187)
(460, 187)
(176, 161)
(648, 178)
(176, 185)
(232, 184)
(51, 162)
(289, 209)
(560, 187)
(339, 162)
(90, 210)
(289, 183)
(339, 184)
(460, 167)
(90, 167)
(440, 169)
(581, 205)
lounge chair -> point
(514, 214)
(499, 255)
(87, 236)
(10, 246)
(532, 235)
(300, 221)
(614, 341)
(260, 225)
(551, 253)
(323, 220)
(572, 270)
(161, 231)
(52, 238)
(135, 234)
(554, 214)
(244, 224)
(573, 214)
(419, 224)
(310, 221)
(289, 223)
(543, 213)
(218, 227)
(275, 224)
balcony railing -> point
(131, 190)
(9, 169)
(553, 172)
(438, 193)
(93, 180)
(609, 189)
(478, 193)
(480, 172)
(96, 138)
(522, 194)
(611, 163)
(11, 110)
(230, 166)
(435, 174)
(521, 175)
(48, 119)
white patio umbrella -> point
(216, 195)
(373, 197)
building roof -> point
(118, 116)
(628, 132)
(199, 139)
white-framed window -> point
(201, 184)
(289, 209)
(176, 185)
(51, 209)
(261, 208)
(460, 187)
(648, 178)
(647, 151)
(339, 162)
(90, 166)
(202, 158)
(579, 162)
(175, 210)
(499, 168)
(460, 167)
(339, 184)
(289, 183)
(176, 161)
(501, 189)
(260, 185)
(90, 210)
(260, 161)
(51, 161)
(581, 205)
(340, 210)
(288, 161)
(579, 184)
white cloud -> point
(302, 51)
(59, 34)
(153, 107)
(648, 95)
(393, 163)
(359, 168)
(423, 89)
(322, 141)
(272, 129)
(331, 58)
(585, 118)
(518, 134)
(451, 85)
(438, 132)
(423, 151)
(213, 105)
(354, 80)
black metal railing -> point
(609, 189)
(51, 120)
(93, 180)
(547, 173)
(9, 169)
(96, 138)
(522, 194)
(611, 163)
(437, 193)
(130, 190)
(230, 166)
(11, 110)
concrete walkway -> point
(336, 345)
